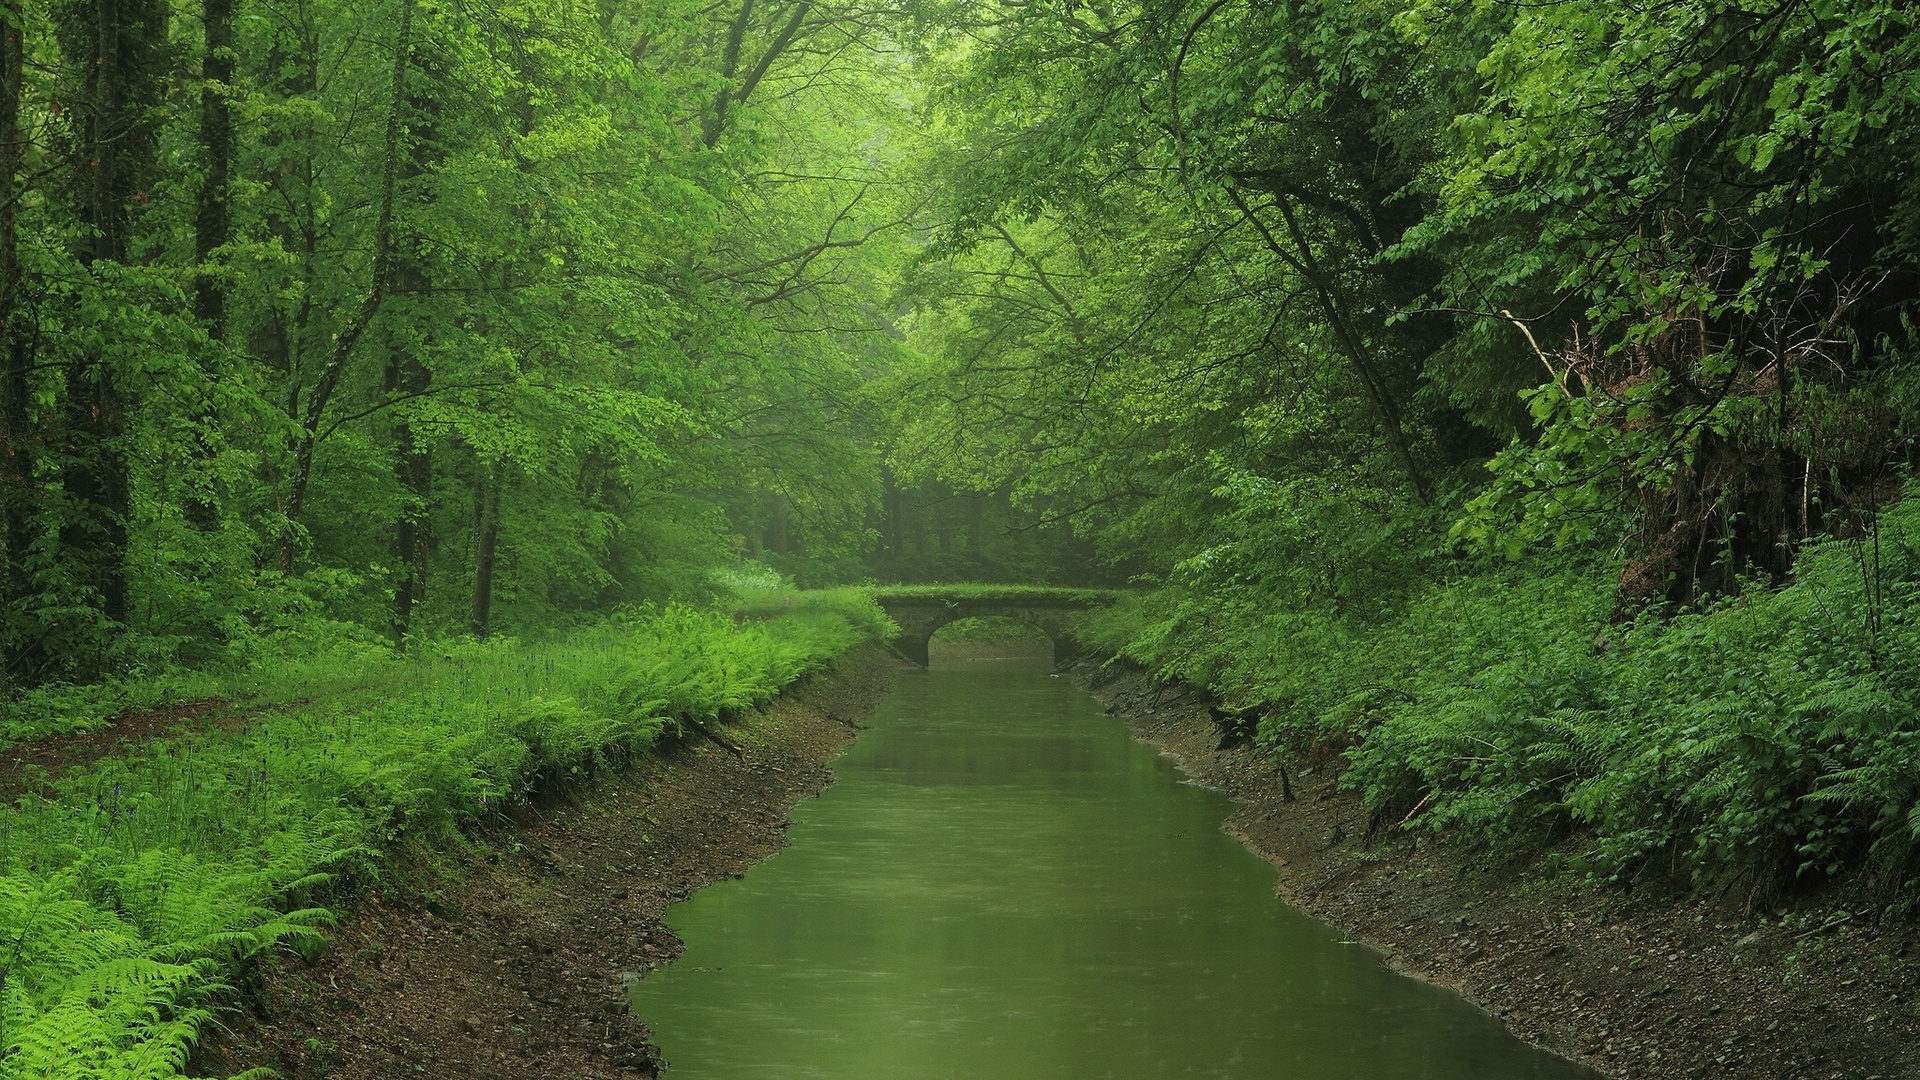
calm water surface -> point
(1003, 884)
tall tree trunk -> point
(408, 376)
(117, 44)
(210, 232)
(413, 468)
(486, 539)
(212, 222)
(18, 637)
(97, 486)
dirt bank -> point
(1633, 987)
(511, 960)
(31, 767)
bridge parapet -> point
(921, 610)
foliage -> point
(1492, 392)
(1517, 399)
(490, 320)
(1766, 739)
(132, 894)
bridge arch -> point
(922, 610)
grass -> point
(131, 899)
(342, 663)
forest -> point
(1515, 401)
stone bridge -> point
(921, 610)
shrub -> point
(1769, 738)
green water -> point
(1004, 885)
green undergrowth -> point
(327, 659)
(62, 709)
(1765, 746)
(131, 898)
(757, 591)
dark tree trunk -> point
(18, 637)
(211, 231)
(408, 376)
(96, 484)
(486, 538)
(413, 467)
(212, 221)
(117, 45)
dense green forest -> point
(1515, 399)
(427, 319)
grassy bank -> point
(1762, 747)
(131, 898)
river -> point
(1004, 884)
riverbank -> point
(508, 957)
(1632, 986)
(152, 862)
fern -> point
(126, 902)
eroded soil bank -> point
(1633, 987)
(515, 965)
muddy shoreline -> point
(1634, 987)
(509, 958)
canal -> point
(1004, 884)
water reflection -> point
(1003, 884)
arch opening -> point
(989, 637)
